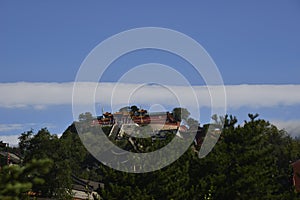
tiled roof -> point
(296, 169)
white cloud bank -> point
(290, 126)
(12, 140)
(41, 95)
(22, 94)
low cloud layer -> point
(11, 127)
(12, 140)
(290, 126)
(23, 94)
(41, 95)
(23, 126)
(16, 129)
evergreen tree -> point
(16, 181)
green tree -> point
(85, 117)
(134, 109)
(16, 181)
(24, 141)
(180, 114)
(125, 109)
(73, 151)
(249, 162)
(44, 145)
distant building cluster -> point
(125, 121)
(128, 122)
(140, 117)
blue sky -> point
(251, 42)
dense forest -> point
(251, 160)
